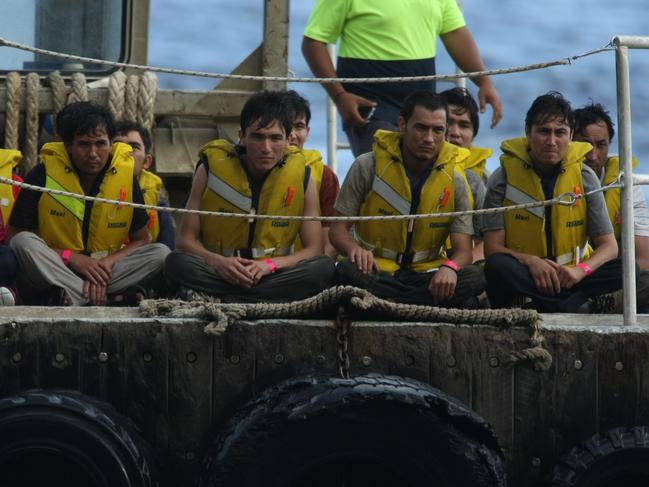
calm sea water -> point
(216, 35)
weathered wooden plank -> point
(134, 376)
(622, 362)
(398, 350)
(451, 362)
(492, 382)
(284, 349)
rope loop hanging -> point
(12, 110)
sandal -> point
(131, 296)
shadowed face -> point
(142, 159)
(597, 135)
(549, 142)
(265, 146)
(89, 153)
(423, 134)
(300, 132)
(460, 127)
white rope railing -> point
(206, 74)
(565, 199)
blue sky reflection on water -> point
(215, 35)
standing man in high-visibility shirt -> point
(387, 38)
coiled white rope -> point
(30, 154)
(206, 74)
(116, 85)
(565, 199)
(12, 110)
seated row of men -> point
(559, 257)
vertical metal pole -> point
(332, 121)
(624, 142)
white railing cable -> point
(291, 79)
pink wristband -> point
(584, 267)
(65, 256)
(451, 265)
(271, 265)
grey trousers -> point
(307, 278)
(41, 268)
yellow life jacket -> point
(613, 196)
(525, 228)
(151, 185)
(476, 160)
(60, 218)
(9, 158)
(414, 244)
(228, 190)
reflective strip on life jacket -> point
(519, 198)
(74, 206)
(228, 193)
(385, 191)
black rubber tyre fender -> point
(401, 431)
(61, 437)
(618, 457)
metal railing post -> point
(624, 142)
(332, 122)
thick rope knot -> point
(361, 305)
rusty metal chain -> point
(342, 339)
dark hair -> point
(461, 98)
(425, 99)
(267, 107)
(125, 126)
(590, 114)
(298, 105)
(83, 118)
(547, 107)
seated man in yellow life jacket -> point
(542, 253)
(9, 159)
(594, 125)
(160, 225)
(242, 259)
(413, 171)
(463, 126)
(325, 179)
(73, 250)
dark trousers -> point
(507, 278)
(362, 138)
(307, 278)
(8, 266)
(410, 287)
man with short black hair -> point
(160, 225)
(325, 179)
(463, 126)
(238, 259)
(594, 125)
(543, 253)
(413, 171)
(73, 250)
